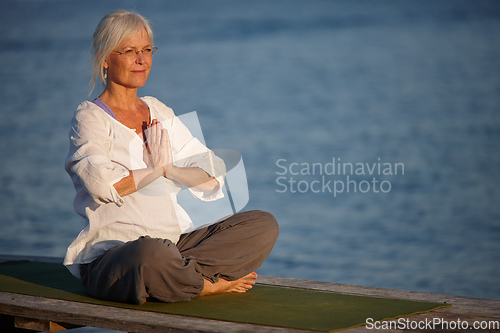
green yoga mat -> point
(263, 305)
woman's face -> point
(130, 69)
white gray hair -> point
(113, 29)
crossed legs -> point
(219, 258)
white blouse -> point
(102, 151)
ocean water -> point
(407, 93)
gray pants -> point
(157, 268)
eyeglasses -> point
(148, 51)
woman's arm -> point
(136, 180)
(192, 177)
(160, 162)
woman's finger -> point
(167, 146)
(153, 135)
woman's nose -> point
(140, 57)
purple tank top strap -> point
(104, 106)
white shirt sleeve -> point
(88, 162)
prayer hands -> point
(157, 152)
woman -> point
(128, 159)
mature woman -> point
(128, 160)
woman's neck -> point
(129, 109)
(120, 97)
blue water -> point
(282, 82)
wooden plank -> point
(461, 304)
(465, 309)
(7, 325)
(84, 314)
(371, 291)
(41, 325)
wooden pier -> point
(21, 313)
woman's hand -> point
(159, 160)
(158, 152)
(157, 156)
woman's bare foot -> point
(224, 286)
